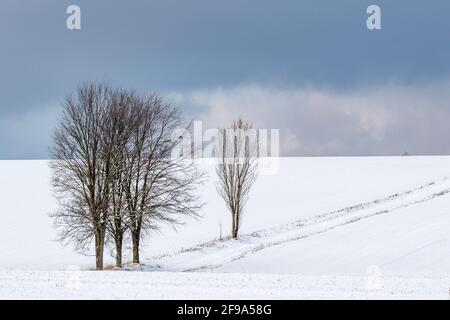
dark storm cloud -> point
(183, 46)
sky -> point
(309, 68)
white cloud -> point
(375, 120)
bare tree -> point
(237, 153)
(113, 170)
(82, 169)
(159, 187)
(121, 121)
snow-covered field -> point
(369, 227)
(208, 285)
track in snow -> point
(216, 253)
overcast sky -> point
(310, 68)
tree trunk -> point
(119, 242)
(99, 248)
(135, 239)
(234, 226)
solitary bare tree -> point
(237, 153)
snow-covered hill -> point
(404, 233)
(347, 219)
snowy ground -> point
(176, 285)
(374, 227)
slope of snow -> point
(303, 187)
(401, 234)
(410, 240)
(318, 225)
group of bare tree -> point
(113, 172)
